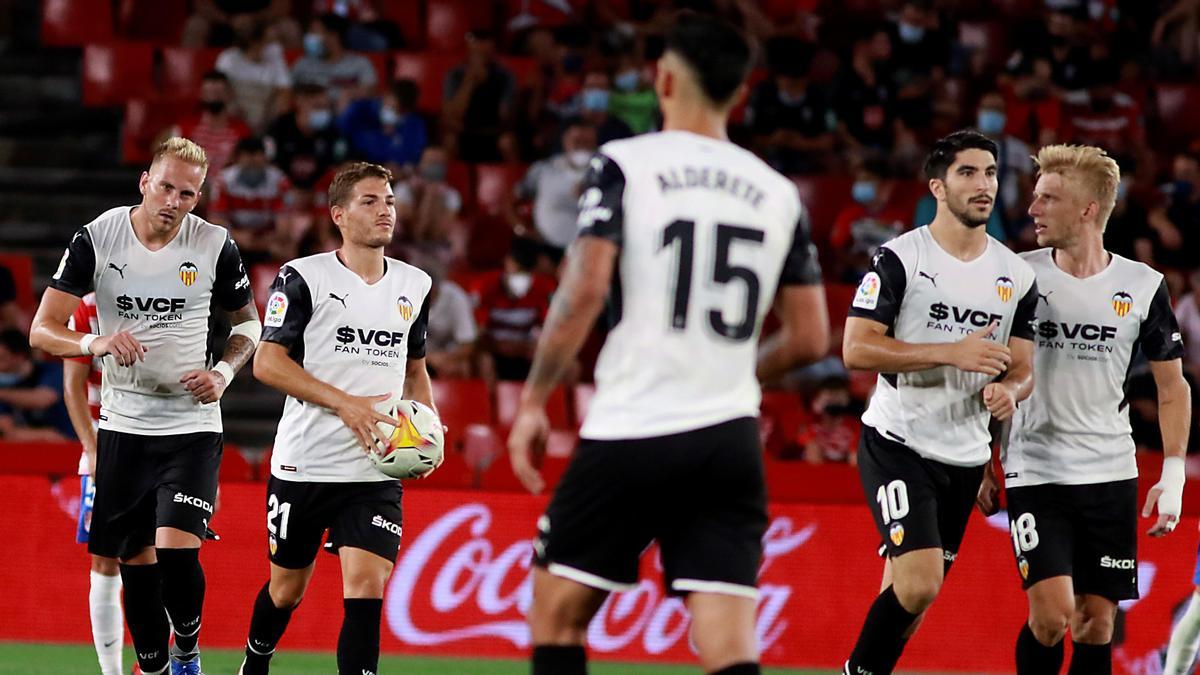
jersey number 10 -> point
(684, 232)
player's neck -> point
(960, 241)
(1085, 258)
(144, 230)
(699, 120)
(367, 263)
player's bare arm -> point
(75, 377)
(207, 386)
(417, 385)
(273, 367)
(866, 346)
(1002, 397)
(576, 305)
(1174, 421)
(50, 334)
(804, 335)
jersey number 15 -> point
(683, 232)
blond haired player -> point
(1069, 467)
(156, 270)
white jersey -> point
(924, 295)
(355, 336)
(164, 299)
(1074, 429)
(707, 231)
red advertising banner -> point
(460, 586)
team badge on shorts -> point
(406, 308)
(1004, 288)
(1023, 567)
(272, 544)
(187, 273)
(1122, 302)
(896, 534)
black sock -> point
(267, 624)
(739, 669)
(559, 660)
(1091, 659)
(1035, 658)
(882, 637)
(183, 594)
(145, 616)
(358, 644)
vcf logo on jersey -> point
(187, 273)
(1004, 288)
(406, 308)
(1122, 302)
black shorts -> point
(1086, 532)
(699, 494)
(147, 482)
(360, 515)
(916, 502)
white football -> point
(415, 445)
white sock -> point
(108, 623)
(1184, 640)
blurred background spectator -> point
(387, 129)
(792, 119)
(1014, 166)
(345, 75)
(215, 127)
(427, 208)
(593, 108)
(305, 142)
(216, 22)
(450, 345)
(31, 396)
(12, 315)
(1187, 312)
(510, 309)
(478, 104)
(249, 199)
(831, 433)
(258, 74)
(368, 30)
(870, 220)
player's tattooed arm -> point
(207, 386)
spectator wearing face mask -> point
(326, 61)
(215, 128)
(831, 434)
(249, 198)
(478, 101)
(511, 306)
(593, 107)
(632, 99)
(31, 395)
(450, 343)
(305, 143)
(427, 206)
(1014, 167)
(386, 130)
(871, 221)
(553, 186)
(258, 74)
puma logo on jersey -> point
(1045, 297)
(341, 299)
(283, 275)
(120, 270)
(932, 279)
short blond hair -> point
(1095, 170)
(182, 149)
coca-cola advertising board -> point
(461, 585)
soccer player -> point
(1069, 468)
(945, 317)
(695, 236)
(156, 270)
(343, 329)
(81, 393)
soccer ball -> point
(415, 445)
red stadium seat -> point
(70, 23)
(407, 17)
(429, 72)
(151, 20)
(458, 176)
(144, 121)
(522, 68)
(116, 73)
(183, 69)
(824, 197)
(837, 301)
(508, 396)
(235, 467)
(782, 414)
(462, 402)
(262, 275)
(1178, 109)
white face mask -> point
(519, 283)
(578, 158)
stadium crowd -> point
(487, 177)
